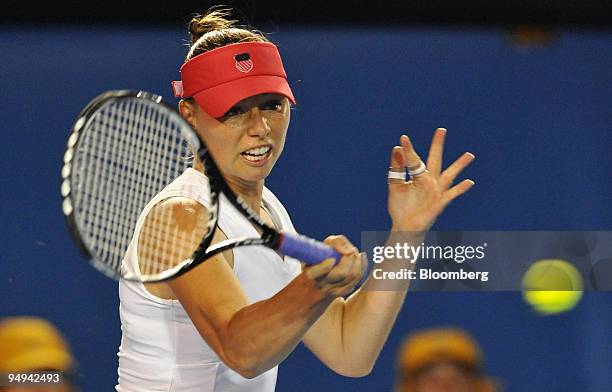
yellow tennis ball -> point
(552, 286)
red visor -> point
(220, 78)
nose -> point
(258, 124)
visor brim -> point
(218, 100)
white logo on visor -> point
(243, 62)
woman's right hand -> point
(338, 280)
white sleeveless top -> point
(161, 350)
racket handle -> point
(306, 249)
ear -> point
(187, 110)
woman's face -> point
(247, 141)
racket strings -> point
(114, 213)
(128, 155)
(97, 157)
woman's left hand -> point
(414, 205)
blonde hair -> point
(215, 29)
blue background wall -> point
(539, 122)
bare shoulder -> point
(172, 231)
(183, 212)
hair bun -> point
(210, 21)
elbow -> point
(247, 368)
(244, 370)
(247, 372)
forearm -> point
(370, 312)
(261, 335)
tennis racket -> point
(124, 148)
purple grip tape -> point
(306, 249)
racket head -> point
(124, 148)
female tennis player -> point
(228, 323)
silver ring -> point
(394, 175)
(418, 170)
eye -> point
(273, 104)
(234, 111)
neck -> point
(250, 192)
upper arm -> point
(210, 292)
(211, 295)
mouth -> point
(257, 156)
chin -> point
(252, 175)
(258, 176)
